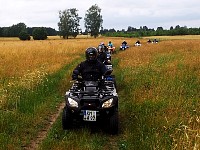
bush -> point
(39, 34)
(23, 35)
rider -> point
(149, 41)
(102, 56)
(124, 42)
(110, 44)
(137, 42)
(155, 41)
(104, 46)
(91, 69)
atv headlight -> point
(72, 102)
(107, 103)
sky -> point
(117, 14)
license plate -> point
(109, 67)
(89, 115)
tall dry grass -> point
(17, 57)
(26, 63)
(162, 83)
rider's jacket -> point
(102, 56)
(110, 44)
(124, 42)
(91, 71)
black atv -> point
(92, 101)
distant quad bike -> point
(111, 49)
(124, 47)
(155, 41)
(138, 44)
(108, 58)
(92, 102)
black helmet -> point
(91, 54)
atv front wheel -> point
(66, 119)
(113, 123)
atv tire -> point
(66, 119)
(113, 123)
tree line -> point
(145, 31)
(14, 30)
(69, 25)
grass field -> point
(158, 87)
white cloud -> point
(116, 14)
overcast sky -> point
(117, 14)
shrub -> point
(39, 34)
(23, 35)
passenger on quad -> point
(111, 48)
(105, 48)
(124, 43)
(110, 44)
(155, 41)
(91, 69)
(149, 41)
(138, 43)
(90, 100)
(102, 55)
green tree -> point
(16, 29)
(69, 23)
(23, 35)
(39, 34)
(93, 20)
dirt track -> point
(42, 134)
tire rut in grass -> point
(43, 133)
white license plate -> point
(89, 115)
(109, 67)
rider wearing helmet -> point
(91, 69)
(124, 42)
(137, 42)
(104, 46)
(102, 56)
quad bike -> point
(155, 41)
(108, 57)
(124, 47)
(92, 102)
(107, 62)
(111, 49)
(138, 44)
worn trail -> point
(42, 134)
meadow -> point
(158, 87)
